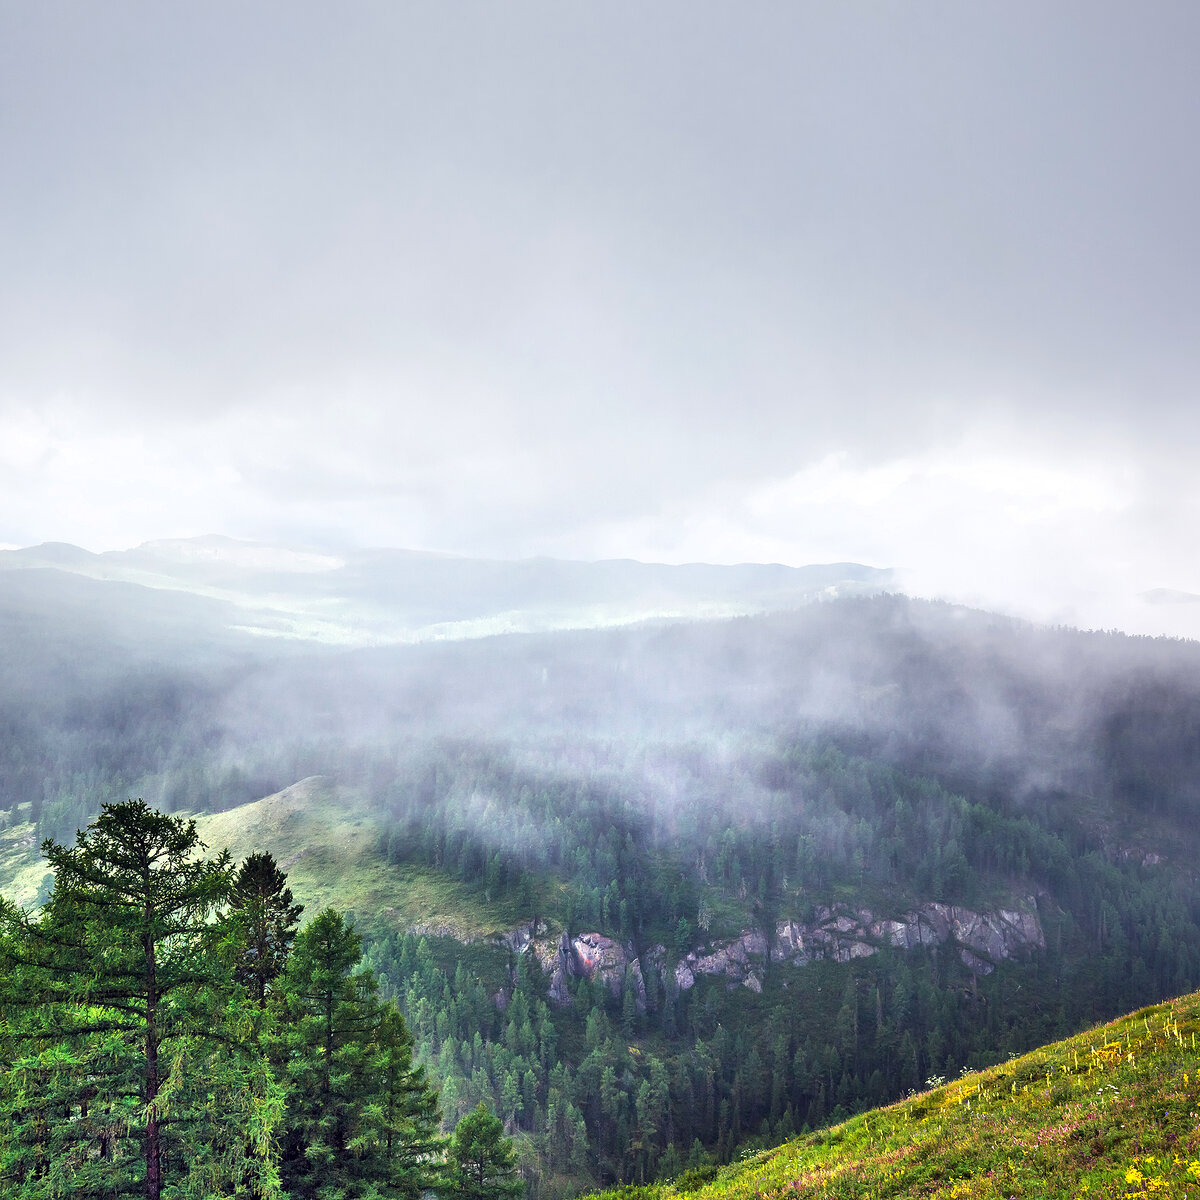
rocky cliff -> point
(840, 933)
(982, 939)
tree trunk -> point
(153, 1141)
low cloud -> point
(918, 288)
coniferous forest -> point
(169, 1031)
(599, 602)
(601, 820)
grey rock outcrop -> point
(840, 933)
(592, 956)
(844, 934)
(731, 959)
(555, 958)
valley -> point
(599, 601)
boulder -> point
(595, 956)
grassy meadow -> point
(328, 843)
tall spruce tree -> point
(484, 1162)
(361, 1120)
(265, 920)
(410, 1118)
(124, 1075)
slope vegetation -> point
(1114, 1112)
(329, 846)
(746, 828)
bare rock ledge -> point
(982, 939)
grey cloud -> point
(633, 252)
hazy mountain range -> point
(388, 596)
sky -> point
(909, 284)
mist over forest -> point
(138, 688)
(700, 638)
(693, 882)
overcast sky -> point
(915, 284)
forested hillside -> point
(673, 1048)
(1109, 1113)
(692, 886)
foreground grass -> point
(1114, 1112)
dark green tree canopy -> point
(266, 920)
(122, 1028)
(484, 1162)
(362, 1121)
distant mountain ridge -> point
(391, 596)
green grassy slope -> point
(22, 867)
(1114, 1112)
(327, 843)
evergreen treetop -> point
(485, 1166)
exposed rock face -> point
(519, 939)
(789, 940)
(593, 954)
(841, 934)
(731, 959)
(1148, 858)
(993, 937)
(634, 979)
(555, 958)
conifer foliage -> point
(164, 1032)
(266, 920)
(484, 1159)
(361, 1120)
(123, 1073)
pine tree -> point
(361, 1120)
(484, 1160)
(124, 1073)
(409, 1116)
(266, 921)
